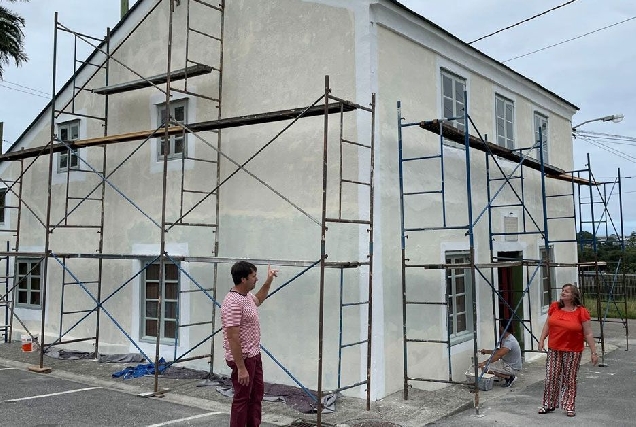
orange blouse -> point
(565, 328)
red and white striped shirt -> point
(241, 310)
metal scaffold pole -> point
(47, 231)
(164, 185)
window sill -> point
(461, 338)
(163, 341)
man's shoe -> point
(509, 381)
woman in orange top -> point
(567, 327)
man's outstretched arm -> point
(264, 290)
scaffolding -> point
(174, 130)
(462, 271)
(600, 228)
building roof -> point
(70, 81)
(395, 2)
(452, 36)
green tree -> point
(585, 237)
(11, 38)
(631, 240)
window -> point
(3, 204)
(28, 280)
(458, 289)
(504, 116)
(453, 88)
(169, 305)
(175, 147)
(68, 159)
(541, 123)
(547, 285)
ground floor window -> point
(168, 309)
(547, 280)
(29, 280)
(458, 292)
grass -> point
(612, 311)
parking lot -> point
(39, 399)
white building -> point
(275, 56)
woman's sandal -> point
(544, 410)
(570, 413)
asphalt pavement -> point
(83, 392)
(606, 396)
(43, 400)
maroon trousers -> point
(246, 406)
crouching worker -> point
(505, 362)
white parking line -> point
(194, 417)
(8, 369)
(52, 394)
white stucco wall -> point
(275, 57)
(410, 60)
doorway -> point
(511, 291)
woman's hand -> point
(594, 359)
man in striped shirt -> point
(241, 341)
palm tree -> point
(11, 38)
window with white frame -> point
(541, 134)
(547, 283)
(504, 117)
(175, 147)
(3, 204)
(28, 278)
(67, 132)
(453, 87)
(167, 309)
(460, 302)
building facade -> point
(261, 198)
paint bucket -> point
(26, 343)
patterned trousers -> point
(561, 368)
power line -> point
(23, 91)
(611, 150)
(26, 87)
(608, 137)
(569, 40)
(522, 22)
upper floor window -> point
(541, 134)
(453, 87)
(504, 116)
(175, 147)
(28, 280)
(167, 308)
(3, 203)
(460, 301)
(68, 159)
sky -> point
(594, 71)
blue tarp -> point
(140, 370)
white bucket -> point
(27, 345)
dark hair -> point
(241, 270)
(576, 296)
(504, 322)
